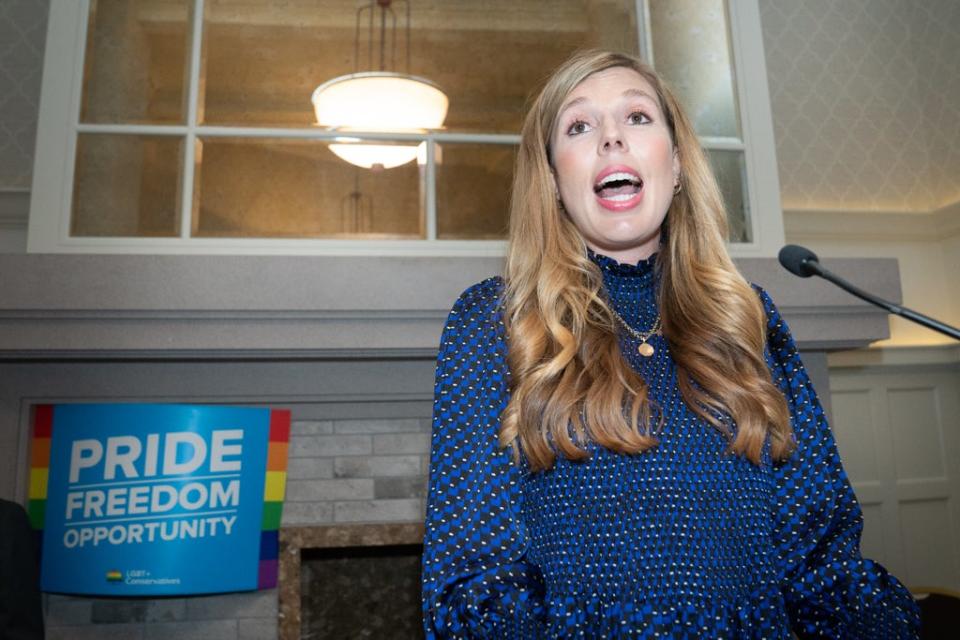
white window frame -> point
(59, 127)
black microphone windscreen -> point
(796, 259)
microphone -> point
(802, 262)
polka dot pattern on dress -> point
(680, 541)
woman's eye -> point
(577, 127)
(639, 117)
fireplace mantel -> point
(293, 307)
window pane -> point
(691, 48)
(126, 186)
(299, 188)
(264, 58)
(473, 190)
(135, 61)
(730, 170)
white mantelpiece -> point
(171, 307)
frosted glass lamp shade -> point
(387, 156)
(380, 101)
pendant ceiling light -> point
(379, 101)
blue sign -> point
(154, 499)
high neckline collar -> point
(608, 265)
(630, 288)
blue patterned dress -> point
(680, 541)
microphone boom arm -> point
(815, 267)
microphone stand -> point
(816, 268)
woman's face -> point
(615, 164)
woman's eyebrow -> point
(638, 93)
(628, 93)
(572, 103)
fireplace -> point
(347, 343)
(356, 581)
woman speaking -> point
(625, 440)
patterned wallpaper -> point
(937, 50)
(23, 28)
(866, 99)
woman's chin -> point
(627, 250)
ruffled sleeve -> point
(476, 582)
(830, 590)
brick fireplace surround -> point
(346, 343)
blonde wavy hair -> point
(570, 383)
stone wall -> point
(240, 616)
(357, 471)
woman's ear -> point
(556, 188)
(676, 166)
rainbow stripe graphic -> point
(39, 464)
(273, 492)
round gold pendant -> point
(645, 349)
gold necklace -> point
(644, 348)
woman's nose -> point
(613, 139)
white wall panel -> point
(898, 432)
(917, 433)
(872, 545)
(856, 441)
(928, 536)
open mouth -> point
(619, 186)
